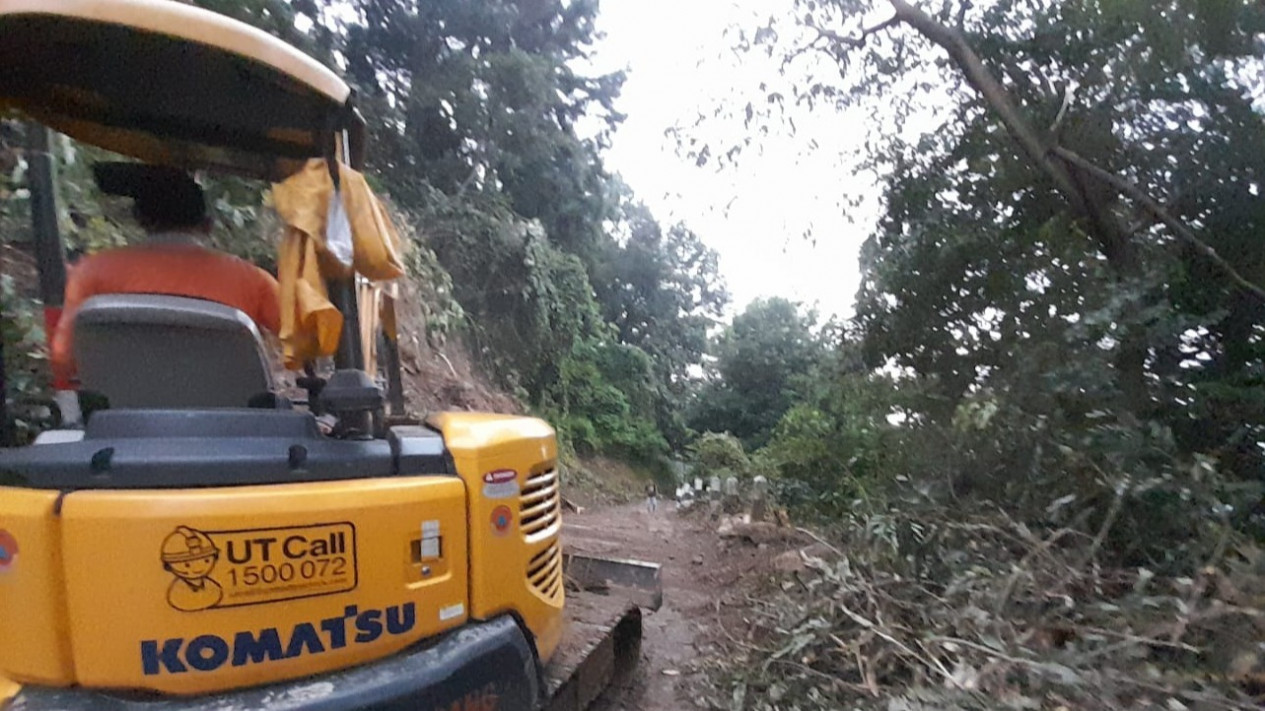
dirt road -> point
(700, 576)
(670, 633)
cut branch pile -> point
(937, 613)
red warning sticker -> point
(500, 476)
(500, 484)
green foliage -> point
(245, 224)
(480, 97)
(472, 109)
(1006, 348)
(441, 311)
(25, 356)
(537, 324)
(27, 386)
(602, 401)
(662, 292)
(847, 443)
(762, 362)
(713, 453)
(1020, 321)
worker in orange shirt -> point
(171, 209)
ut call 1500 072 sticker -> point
(255, 566)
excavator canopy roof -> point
(169, 83)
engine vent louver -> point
(540, 504)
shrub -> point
(719, 454)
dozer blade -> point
(632, 580)
(602, 643)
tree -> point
(482, 97)
(477, 105)
(1030, 217)
(663, 292)
(720, 455)
(762, 360)
(837, 445)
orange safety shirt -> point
(167, 269)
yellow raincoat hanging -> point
(310, 324)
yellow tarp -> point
(310, 325)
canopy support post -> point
(353, 143)
(50, 255)
(350, 354)
(390, 336)
(342, 292)
(350, 395)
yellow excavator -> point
(194, 545)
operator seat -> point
(169, 352)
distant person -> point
(171, 208)
(652, 498)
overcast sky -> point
(755, 216)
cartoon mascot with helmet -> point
(190, 555)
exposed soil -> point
(705, 579)
(442, 376)
(437, 377)
(602, 482)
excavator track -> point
(602, 643)
(602, 646)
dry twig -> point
(820, 540)
(1112, 514)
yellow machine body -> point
(512, 471)
(198, 590)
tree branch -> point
(1086, 202)
(961, 23)
(854, 41)
(1156, 209)
(978, 76)
(1057, 125)
(805, 49)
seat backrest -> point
(151, 351)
